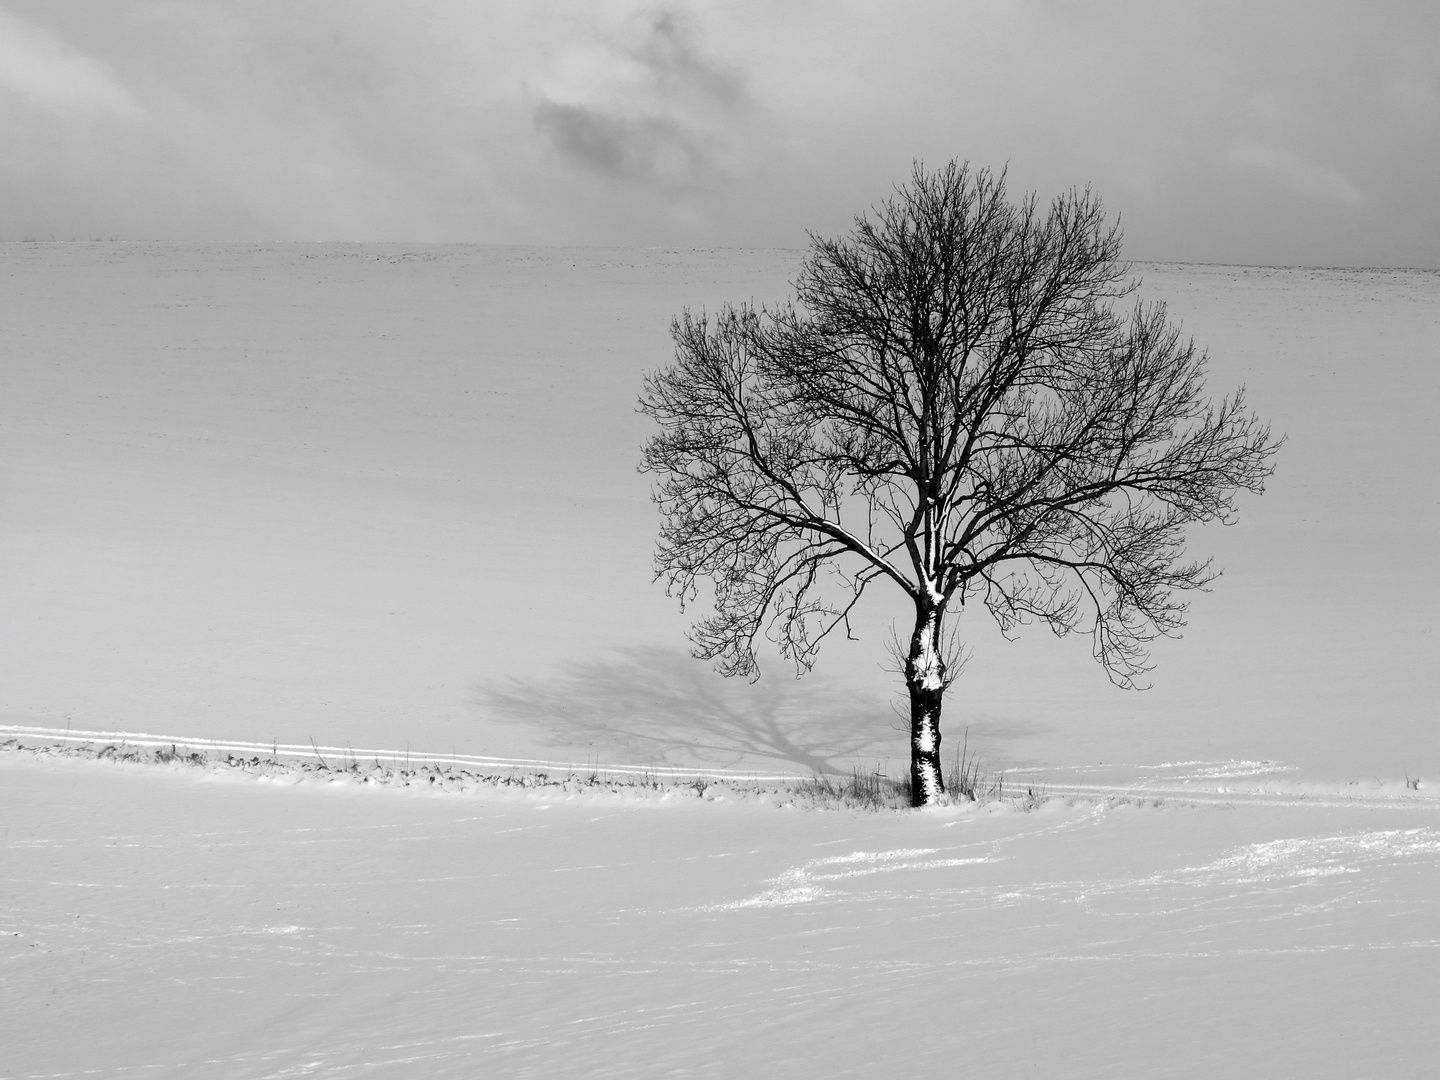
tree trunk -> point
(925, 679)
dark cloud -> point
(667, 130)
(671, 52)
(647, 147)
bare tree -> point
(953, 406)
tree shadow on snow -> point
(662, 706)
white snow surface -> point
(385, 495)
(187, 922)
(352, 500)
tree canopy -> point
(954, 403)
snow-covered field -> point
(177, 922)
(387, 495)
(384, 497)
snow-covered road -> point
(160, 922)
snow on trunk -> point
(925, 679)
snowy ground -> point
(384, 497)
(387, 495)
(177, 922)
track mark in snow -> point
(1315, 856)
(801, 884)
(1275, 868)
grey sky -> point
(1267, 132)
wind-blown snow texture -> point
(159, 922)
(386, 495)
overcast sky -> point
(1225, 131)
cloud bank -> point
(1284, 132)
(45, 74)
